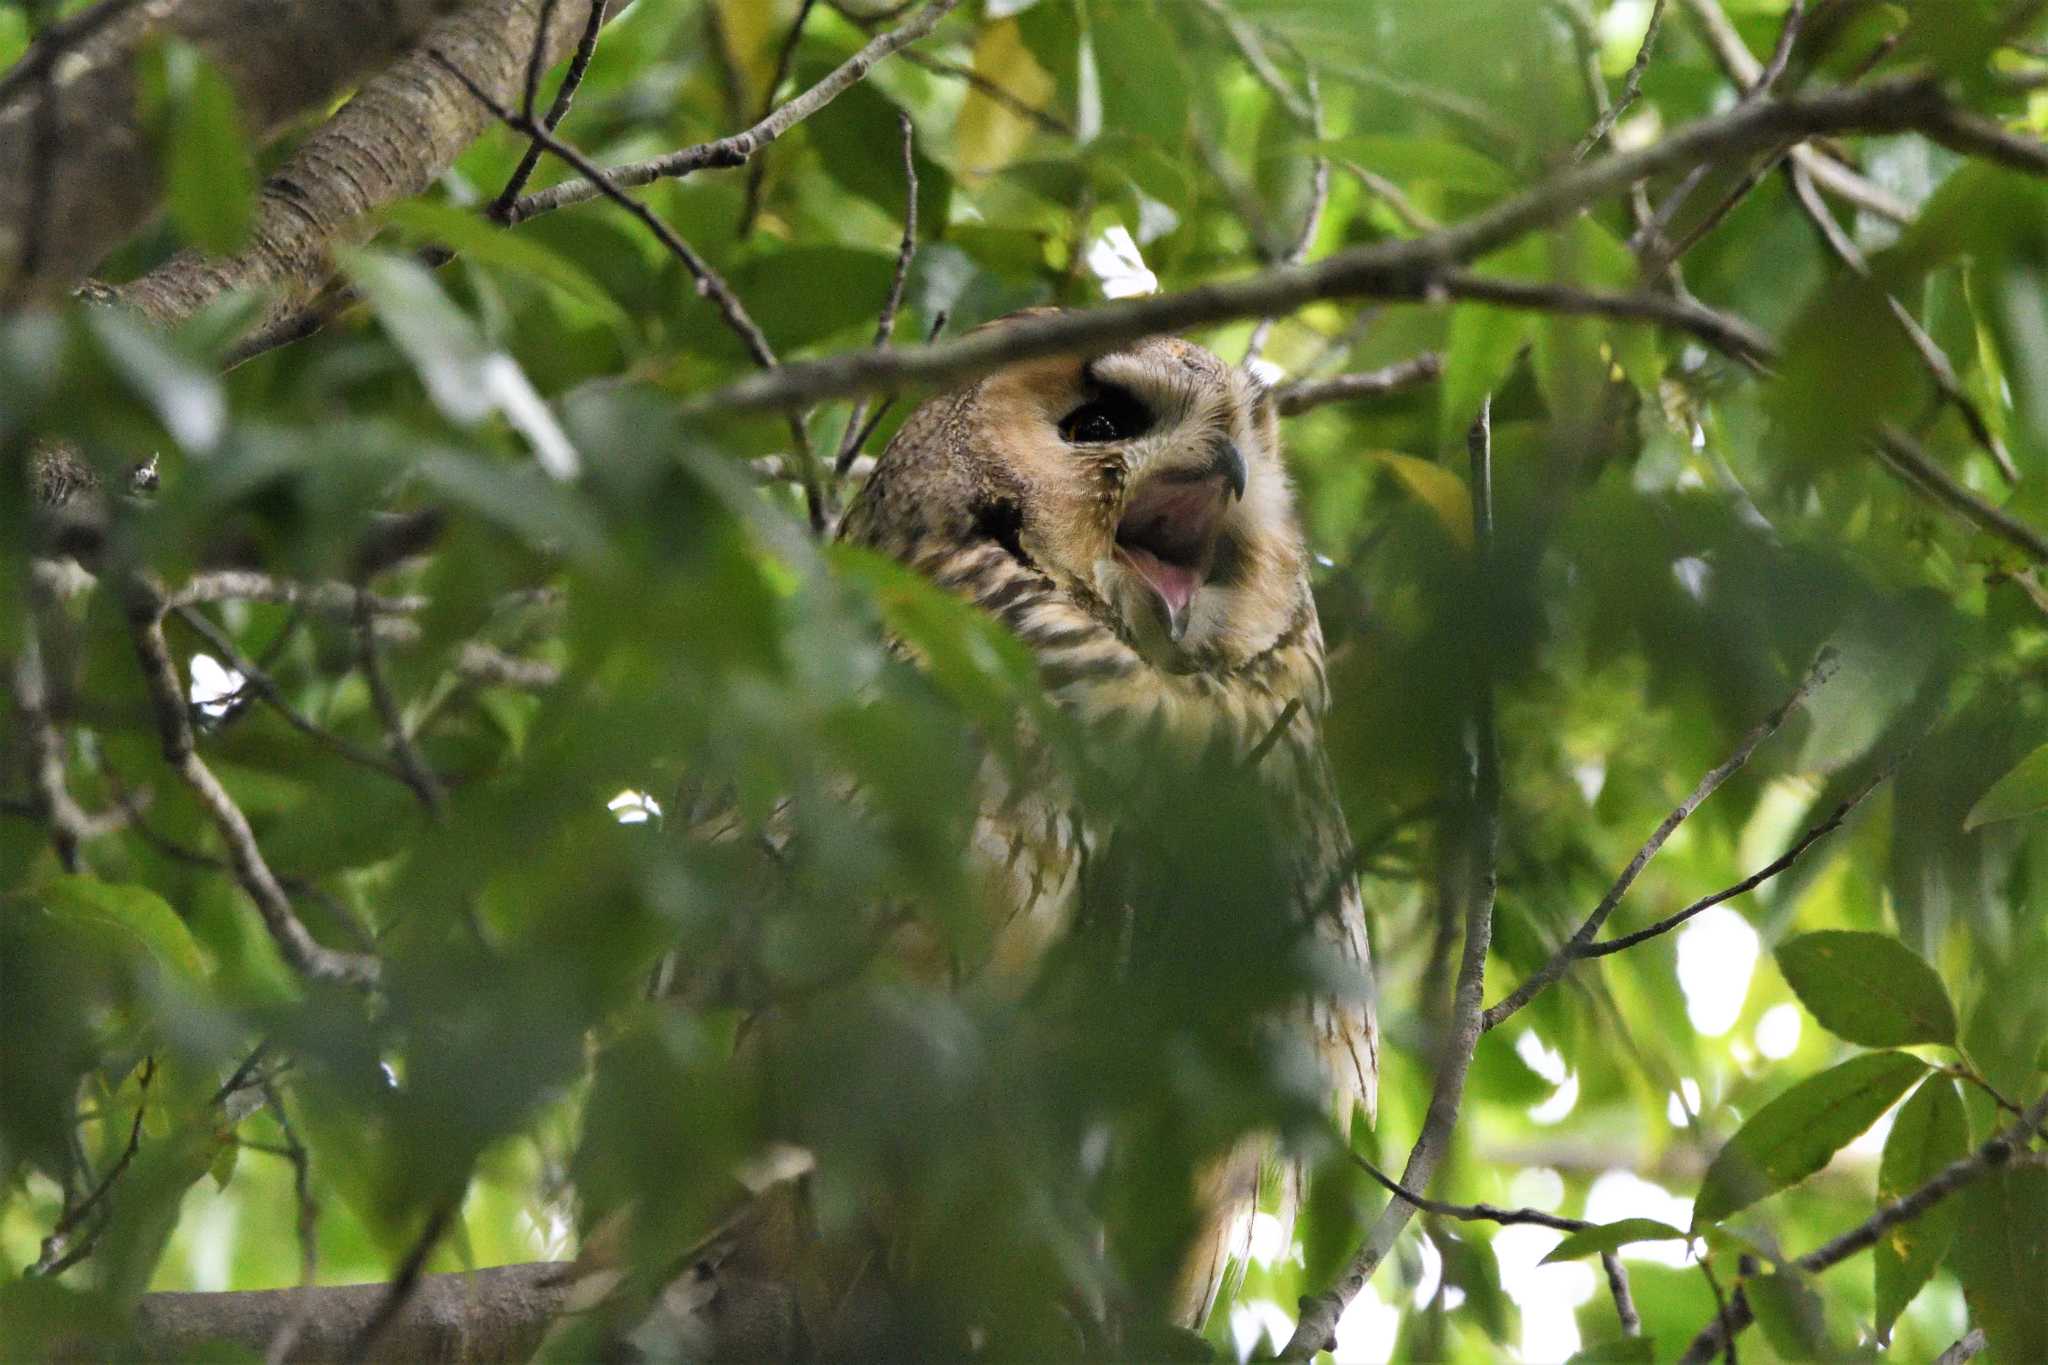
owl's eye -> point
(1113, 414)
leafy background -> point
(1677, 539)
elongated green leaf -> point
(1608, 1236)
(1790, 1314)
(1868, 988)
(2023, 791)
(478, 239)
(1929, 1133)
(210, 178)
(2001, 1256)
(1481, 350)
(1795, 1134)
(126, 923)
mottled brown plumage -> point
(1130, 519)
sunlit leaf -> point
(1795, 1134)
(2021, 792)
(1438, 489)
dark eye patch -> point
(1110, 414)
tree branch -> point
(391, 142)
(1316, 1330)
(586, 48)
(739, 148)
(281, 56)
(494, 1315)
(1304, 394)
(306, 954)
(1945, 1182)
(1905, 456)
(1402, 269)
(1560, 962)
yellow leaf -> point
(989, 135)
(754, 33)
(1441, 490)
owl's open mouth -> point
(1168, 534)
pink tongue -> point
(1174, 583)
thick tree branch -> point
(1406, 269)
(281, 56)
(389, 143)
(741, 147)
(494, 1315)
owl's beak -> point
(1167, 536)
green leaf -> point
(1407, 160)
(519, 254)
(1868, 988)
(209, 179)
(185, 395)
(1929, 1133)
(122, 923)
(2023, 791)
(2001, 1256)
(1790, 1314)
(465, 377)
(1795, 1134)
(1478, 354)
(1608, 1236)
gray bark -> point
(75, 186)
(389, 143)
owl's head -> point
(1146, 483)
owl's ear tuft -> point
(1002, 520)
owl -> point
(1129, 518)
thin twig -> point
(1903, 454)
(1740, 65)
(400, 1291)
(258, 682)
(1966, 1347)
(709, 282)
(1992, 1154)
(1316, 1329)
(586, 46)
(50, 1261)
(288, 1331)
(1931, 355)
(1560, 962)
(411, 766)
(305, 954)
(1273, 733)
(1000, 94)
(885, 326)
(739, 148)
(1624, 1299)
(757, 168)
(1631, 87)
(1303, 394)
(337, 600)
(1471, 1213)
(1747, 884)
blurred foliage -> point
(1676, 538)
